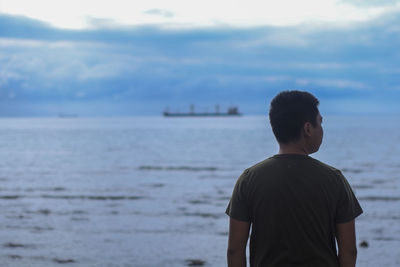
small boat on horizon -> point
(232, 111)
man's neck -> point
(292, 148)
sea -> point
(152, 191)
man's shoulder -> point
(274, 162)
(325, 165)
(261, 166)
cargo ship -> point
(232, 111)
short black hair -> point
(288, 113)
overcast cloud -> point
(128, 70)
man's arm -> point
(346, 239)
(237, 242)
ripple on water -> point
(351, 170)
(379, 198)
(93, 197)
(14, 256)
(198, 201)
(195, 262)
(176, 168)
(80, 219)
(18, 245)
(63, 261)
(362, 186)
(46, 189)
(204, 215)
(31, 228)
(87, 197)
(11, 196)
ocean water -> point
(152, 191)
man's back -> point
(294, 203)
(296, 206)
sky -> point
(124, 58)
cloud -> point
(75, 14)
(333, 83)
(6, 75)
(95, 23)
(371, 3)
(160, 12)
(130, 66)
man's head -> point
(293, 114)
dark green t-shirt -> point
(293, 203)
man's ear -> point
(307, 129)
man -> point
(296, 206)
